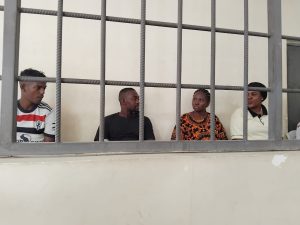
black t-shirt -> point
(118, 128)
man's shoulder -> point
(147, 119)
(45, 106)
(238, 112)
(237, 116)
(112, 116)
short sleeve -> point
(97, 135)
(148, 135)
(298, 132)
(173, 135)
(236, 125)
(50, 124)
(220, 130)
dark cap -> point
(257, 84)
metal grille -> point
(12, 11)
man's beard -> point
(134, 112)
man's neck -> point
(25, 104)
(126, 113)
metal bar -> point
(290, 38)
(102, 68)
(213, 70)
(275, 69)
(58, 70)
(246, 61)
(291, 90)
(179, 70)
(147, 84)
(138, 21)
(10, 70)
(142, 70)
(146, 147)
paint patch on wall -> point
(278, 160)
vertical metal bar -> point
(213, 70)
(10, 71)
(142, 70)
(179, 69)
(102, 68)
(275, 69)
(246, 63)
(58, 70)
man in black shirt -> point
(124, 126)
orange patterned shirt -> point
(193, 130)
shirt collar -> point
(264, 112)
(25, 110)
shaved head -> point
(124, 92)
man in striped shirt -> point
(35, 119)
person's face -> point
(199, 102)
(132, 101)
(33, 91)
(254, 99)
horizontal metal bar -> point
(290, 38)
(138, 21)
(149, 84)
(148, 22)
(135, 83)
(291, 90)
(146, 147)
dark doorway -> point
(293, 81)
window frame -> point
(8, 146)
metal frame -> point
(275, 69)
(102, 68)
(9, 148)
(212, 70)
(10, 71)
(58, 70)
(246, 63)
(179, 68)
(145, 147)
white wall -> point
(81, 56)
(177, 189)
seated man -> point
(124, 125)
(35, 119)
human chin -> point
(37, 100)
(198, 108)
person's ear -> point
(22, 86)
(207, 104)
(122, 101)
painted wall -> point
(81, 56)
(171, 189)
